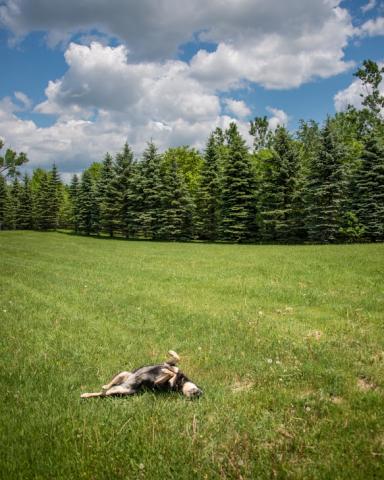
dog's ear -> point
(174, 358)
(166, 375)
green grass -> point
(286, 341)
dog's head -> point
(191, 390)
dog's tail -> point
(174, 358)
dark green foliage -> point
(209, 193)
(105, 196)
(327, 188)
(238, 216)
(369, 190)
(42, 212)
(279, 177)
(74, 195)
(120, 183)
(55, 195)
(3, 201)
(12, 205)
(48, 196)
(25, 209)
(176, 214)
(149, 191)
(88, 206)
(319, 185)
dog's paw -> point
(84, 395)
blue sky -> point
(82, 77)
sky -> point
(81, 77)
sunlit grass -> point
(286, 342)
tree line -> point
(320, 184)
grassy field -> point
(287, 343)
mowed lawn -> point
(287, 343)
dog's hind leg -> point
(117, 380)
(91, 395)
(119, 390)
(116, 390)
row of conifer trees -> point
(324, 185)
(321, 184)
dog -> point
(163, 377)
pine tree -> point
(149, 217)
(176, 214)
(327, 188)
(25, 215)
(369, 190)
(88, 207)
(209, 193)
(238, 220)
(278, 189)
(74, 193)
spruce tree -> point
(150, 186)
(327, 188)
(88, 207)
(42, 214)
(176, 214)
(12, 205)
(3, 201)
(278, 189)
(25, 214)
(238, 219)
(106, 197)
(74, 192)
(209, 193)
(369, 190)
(121, 182)
(54, 194)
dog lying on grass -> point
(163, 377)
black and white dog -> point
(162, 377)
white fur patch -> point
(189, 389)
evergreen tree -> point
(55, 197)
(327, 188)
(74, 193)
(209, 194)
(42, 214)
(150, 192)
(3, 201)
(175, 217)
(279, 189)
(133, 202)
(12, 205)
(121, 181)
(88, 207)
(369, 190)
(106, 197)
(238, 220)
(25, 214)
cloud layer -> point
(138, 88)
